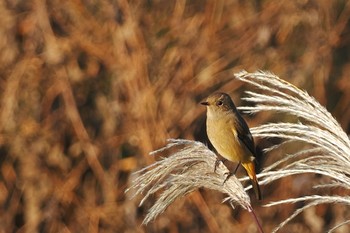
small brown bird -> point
(230, 135)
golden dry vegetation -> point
(89, 87)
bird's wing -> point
(244, 135)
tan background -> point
(88, 88)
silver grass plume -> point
(329, 154)
(188, 166)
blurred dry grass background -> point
(88, 88)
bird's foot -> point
(217, 163)
(228, 175)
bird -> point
(230, 135)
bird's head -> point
(219, 102)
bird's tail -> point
(250, 168)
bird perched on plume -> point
(230, 135)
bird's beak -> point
(205, 103)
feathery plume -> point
(329, 154)
(188, 166)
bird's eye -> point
(219, 103)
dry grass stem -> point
(339, 225)
(312, 201)
(189, 165)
